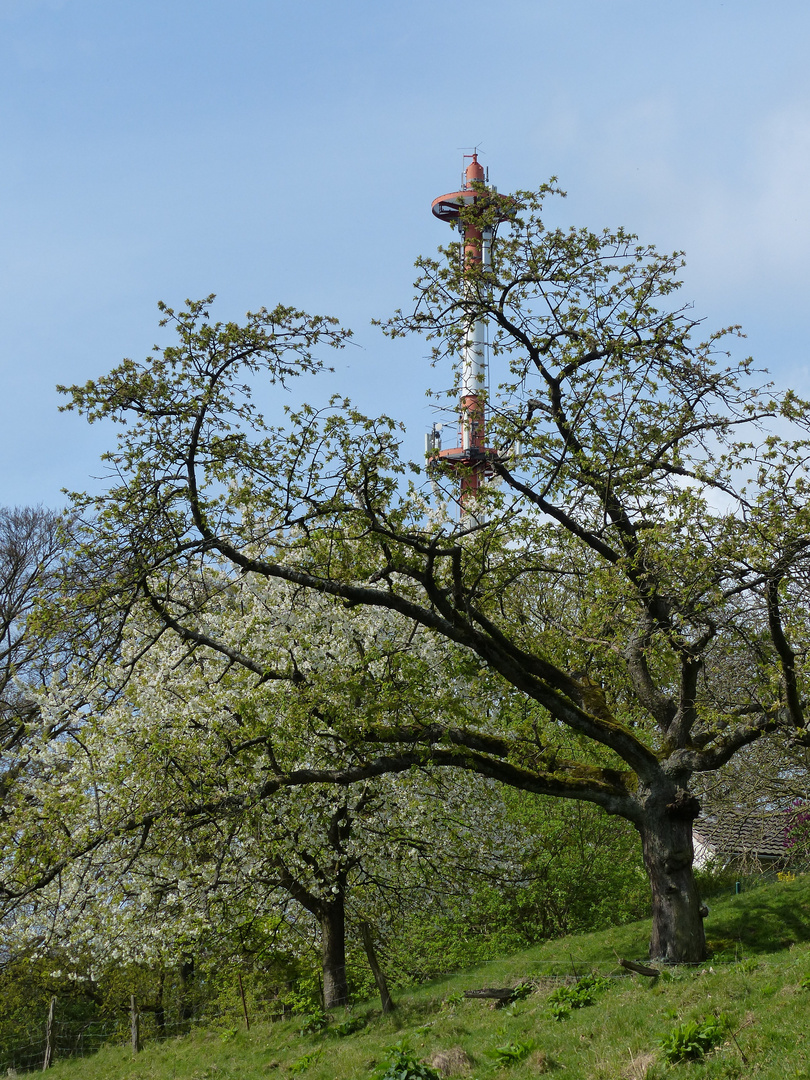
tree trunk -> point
(666, 839)
(160, 1007)
(376, 970)
(48, 1061)
(186, 977)
(333, 932)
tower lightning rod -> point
(471, 459)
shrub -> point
(303, 1063)
(512, 1052)
(312, 1023)
(693, 1039)
(578, 996)
(402, 1065)
(348, 1027)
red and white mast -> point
(471, 457)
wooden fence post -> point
(135, 1024)
(244, 1003)
(46, 1064)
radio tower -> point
(470, 460)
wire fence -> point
(750, 875)
(55, 1038)
(67, 1039)
(83, 1038)
(42, 1044)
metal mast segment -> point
(470, 459)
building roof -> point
(753, 835)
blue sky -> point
(272, 151)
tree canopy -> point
(635, 581)
(161, 826)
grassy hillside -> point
(757, 982)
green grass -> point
(761, 958)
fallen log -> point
(491, 992)
(640, 969)
(502, 996)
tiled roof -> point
(755, 835)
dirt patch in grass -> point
(639, 1065)
(453, 1062)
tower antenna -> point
(471, 460)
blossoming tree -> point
(648, 536)
(173, 820)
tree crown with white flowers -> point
(636, 581)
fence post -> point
(244, 1003)
(46, 1064)
(135, 1024)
